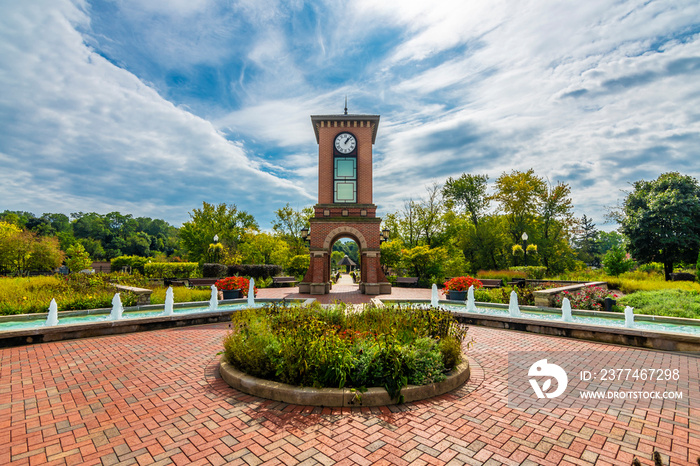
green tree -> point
(556, 219)
(425, 263)
(15, 247)
(468, 194)
(661, 219)
(46, 254)
(519, 195)
(586, 242)
(289, 222)
(390, 257)
(227, 222)
(78, 258)
(264, 248)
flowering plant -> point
(235, 283)
(590, 298)
(462, 283)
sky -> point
(152, 107)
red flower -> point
(462, 283)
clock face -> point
(345, 143)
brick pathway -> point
(347, 292)
(156, 397)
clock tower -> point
(345, 208)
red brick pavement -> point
(155, 397)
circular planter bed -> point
(408, 352)
(338, 397)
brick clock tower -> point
(345, 208)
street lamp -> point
(305, 235)
(384, 236)
(524, 237)
(216, 239)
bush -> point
(615, 261)
(589, 298)
(214, 270)
(171, 269)
(316, 346)
(531, 271)
(298, 265)
(254, 270)
(134, 262)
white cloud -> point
(79, 131)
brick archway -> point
(348, 231)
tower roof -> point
(316, 119)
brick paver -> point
(156, 397)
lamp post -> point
(305, 235)
(384, 236)
(524, 237)
(216, 239)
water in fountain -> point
(52, 318)
(513, 309)
(471, 304)
(566, 310)
(629, 317)
(434, 296)
(169, 301)
(117, 308)
(251, 293)
(214, 300)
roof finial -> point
(346, 105)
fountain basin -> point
(652, 332)
(26, 329)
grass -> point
(181, 295)
(665, 302)
(30, 295)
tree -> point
(468, 193)
(78, 258)
(227, 222)
(46, 254)
(289, 222)
(556, 219)
(264, 248)
(519, 195)
(587, 242)
(429, 212)
(661, 219)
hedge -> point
(256, 271)
(135, 262)
(171, 269)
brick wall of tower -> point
(327, 131)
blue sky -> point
(151, 107)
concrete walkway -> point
(156, 397)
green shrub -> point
(615, 261)
(298, 265)
(451, 349)
(329, 346)
(255, 271)
(134, 262)
(171, 269)
(669, 302)
(214, 270)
